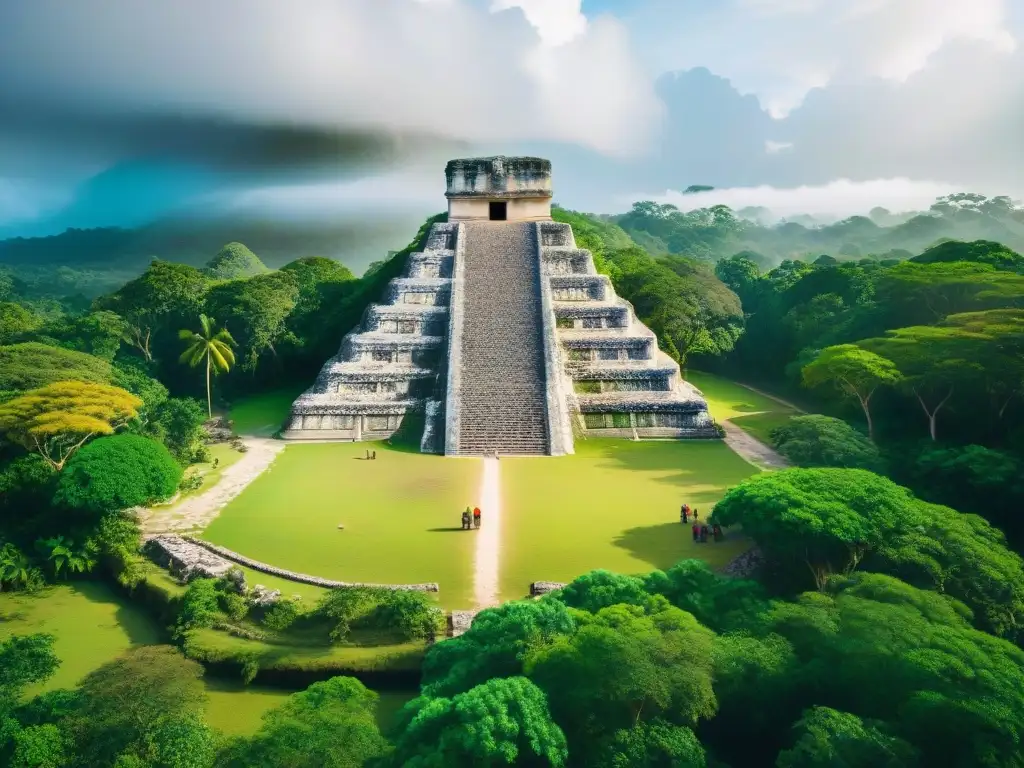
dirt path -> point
(762, 393)
(488, 538)
(751, 449)
(198, 511)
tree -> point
(828, 520)
(180, 741)
(722, 604)
(17, 571)
(97, 333)
(822, 441)
(123, 700)
(742, 274)
(164, 293)
(234, 261)
(855, 372)
(654, 745)
(1000, 351)
(33, 365)
(934, 363)
(258, 309)
(39, 746)
(331, 724)
(180, 420)
(56, 420)
(828, 738)
(624, 666)
(504, 721)
(118, 472)
(16, 322)
(978, 252)
(25, 660)
(496, 645)
(212, 346)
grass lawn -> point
(400, 512)
(613, 505)
(753, 413)
(262, 415)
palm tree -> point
(210, 345)
(16, 569)
(63, 556)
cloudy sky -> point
(119, 112)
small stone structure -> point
(499, 189)
(185, 559)
(503, 336)
(459, 622)
(539, 588)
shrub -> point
(822, 441)
(118, 472)
(200, 607)
(234, 605)
(281, 615)
(410, 615)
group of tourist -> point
(371, 455)
(701, 531)
(471, 520)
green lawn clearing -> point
(400, 512)
(262, 415)
(613, 505)
(753, 413)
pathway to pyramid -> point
(501, 337)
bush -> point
(822, 441)
(200, 607)
(118, 472)
(234, 605)
(281, 615)
(409, 615)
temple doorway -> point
(499, 211)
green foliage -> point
(138, 704)
(978, 252)
(823, 441)
(26, 489)
(234, 605)
(17, 322)
(719, 603)
(180, 421)
(118, 472)
(39, 746)
(65, 557)
(282, 615)
(329, 725)
(600, 589)
(654, 745)
(17, 571)
(504, 721)
(495, 646)
(827, 738)
(234, 261)
(210, 346)
(822, 520)
(97, 333)
(623, 665)
(257, 310)
(409, 615)
(855, 372)
(200, 607)
(32, 365)
(25, 660)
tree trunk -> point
(933, 414)
(864, 401)
(209, 397)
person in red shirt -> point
(696, 532)
(476, 516)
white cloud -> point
(777, 147)
(780, 50)
(556, 21)
(453, 68)
(837, 199)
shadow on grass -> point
(664, 545)
(444, 530)
(137, 625)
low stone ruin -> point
(746, 565)
(264, 598)
(187, 560)
(459, 622)
(539, 588)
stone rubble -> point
(185, 559)
(263, 597)
(459, 622)
(544, 587)
(745, 566)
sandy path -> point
(197, 511)
(770, 396)
(488, 538)
(752, 449)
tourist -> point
(716, 531)
(684, 514)
(367, 454)
(466, 520)
(695, 515)
(476, 516)
(373, 456)
(696, 532)
(704, 534)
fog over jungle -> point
(118, 113)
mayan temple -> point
(500, 337)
